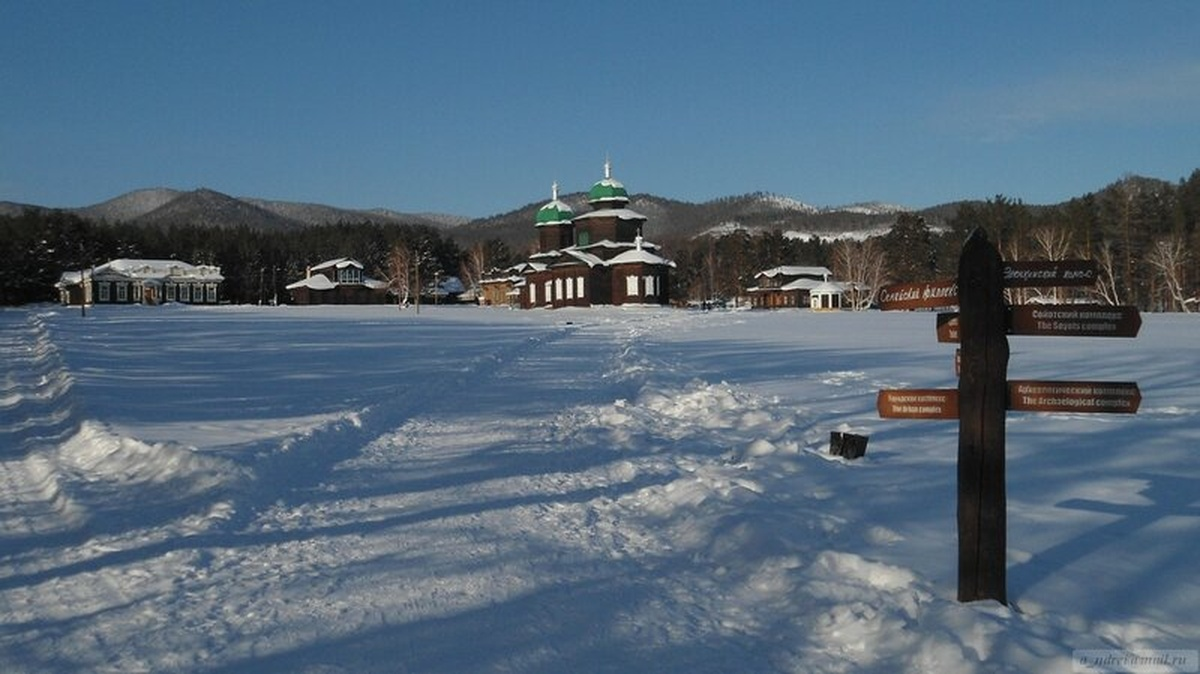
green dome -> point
(609, 190)
(554, 213)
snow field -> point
(342, 489)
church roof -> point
(555, 212)
(619, 213)
(639, 254)
(608, 190)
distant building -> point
(337, 281)
(127, 281)
(795, 287)
(596, 258)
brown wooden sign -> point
(1075, 320)
(926, 295)
(1081, 397)
(1057, 320)
(928, 403)
(1049, 274)
(1074, 396)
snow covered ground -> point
(357, 489)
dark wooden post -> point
(982, 401)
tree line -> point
(1142, 233)
(37, 246)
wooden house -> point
(135, 281)
(337, 281)
(794, 287)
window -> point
(122, 292)
(584, 238)
(185, 292)
(650, 286)
(548, 291)
(102, 289)
(170, 292)
(350, 275)
(558, 288)
(631, 285)
(579, 288)
(570, 288)
(212, 292)
(532, 294)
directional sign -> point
(1074, 396)
(1080, 397)
(1075, 320)
(928, 295)
(929, 403)
(1057, 320)
(1049, 274)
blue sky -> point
(474, 107)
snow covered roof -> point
(314, 282)
(641, 255)
(174, 271)
(583, 256)
(337, 263)
(802, 284)
(828, 288)
(619, 213)
(789, 270)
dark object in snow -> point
(847, 445)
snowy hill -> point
(358, 489)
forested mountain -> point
(668, 219)
(1141, 231)
(209, 208)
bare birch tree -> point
(400, 272)
(862, 267)
(473, 267)
(1051, 243)
(1106, 285)
(1169, 258)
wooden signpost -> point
(984, 395)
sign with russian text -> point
(925, 295)
(1080, 397)
(1074, 396)
(1049, 274)
(929, 403)
(1075, 320)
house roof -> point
(134, 269)
(337, 263)
(314, 282)
(790, 270)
